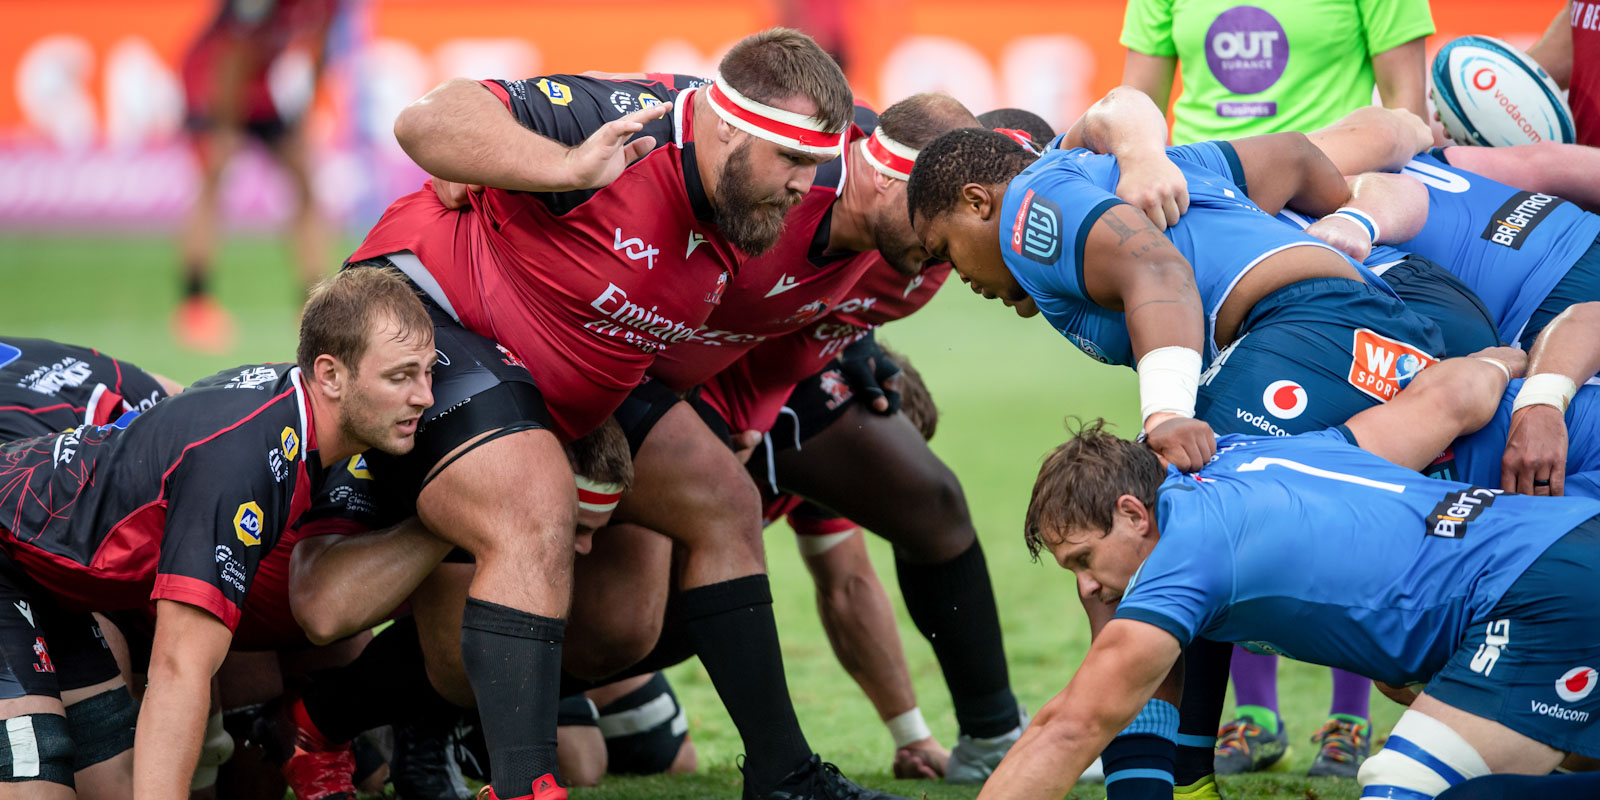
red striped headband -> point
(1020, 136)
(889, 156)
(787, 128)
(596, 496)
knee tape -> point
(101, 727)
(214, 752)
(1422, 758)
(644, 729)
(36, 747)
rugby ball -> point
(1491, 94)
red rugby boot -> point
(543, 789)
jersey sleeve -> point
(1387, 24)
(568, 108)
(1183, 586)
(1055, 208)
(350, 500)
(223, 515)
(1147, 27)
(1217, 156)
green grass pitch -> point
(1003, 384)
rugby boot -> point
(543, 789)
(973, 759)
(1342, 744)
(1244, 745)
(201, 324)
(815, 780)
(314, 768)
(1203, 789)
(424, 765)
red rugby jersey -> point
(750, 393)
(1584, 89)
(784, 288)
(585, 287)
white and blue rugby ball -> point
(1491, 94)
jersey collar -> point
(683, 136)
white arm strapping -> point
(1545, 388)
(1169, 379)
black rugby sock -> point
(513, 661)
(732, 629)
(1205, 690)
(360, 696)
(952, 605)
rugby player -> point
(1527, 254)
(1119, 289)
(1435, 604)
(47, 387)
(229, 100)
(582, 266)
(850, 224)
(88, 524)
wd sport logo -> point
(1036, 233)
(248, 522)
(1517, 217)
(1381, 367)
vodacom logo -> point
(1483, 79)
(1285, 399)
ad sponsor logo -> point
(1576, 684)
(1496, 637)
(248, 523)
(1380, 367)
(1450, 518)
(1517, 217)
(1285, 399)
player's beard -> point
(898, 244)
(749, 221)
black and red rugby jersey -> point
(180, 504)
(585, 287)
(48, 387)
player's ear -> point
(977, 197)
(328, 374)
(725, 132)
(1137, 514)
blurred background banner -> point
(92, 103)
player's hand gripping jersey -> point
(1477, 457)
(1050, 207)
(1512, 247)
(181, 504)
(584, 287)
(48, 387)
(1312, 548)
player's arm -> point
(343, 583)
(1124, 666)
(1449, 399)
(1373, 139)
(1287, 170)
(1152, 75)
(1129, 266)
(1400, 73)
(1127, 124)
(1564, 357)
(462, 133)
(1383, 208)
(1553, 51)
(189, 646)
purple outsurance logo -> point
(1246, 49)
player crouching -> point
(1488, 597)
(179, 507)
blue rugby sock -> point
(1139, 762)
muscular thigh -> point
(686, 478)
